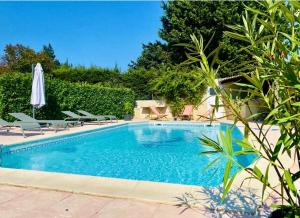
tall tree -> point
(208, 18)
(20, 58)
(48, 49)
(184, 18)
(153, 55)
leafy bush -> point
(92, 75)
(139, 81)
(179, 87)
(15, 92)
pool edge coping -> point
(115, 188)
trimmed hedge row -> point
(15, 91)
(90, 75)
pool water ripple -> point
(162, 153)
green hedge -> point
(92, 75)
(15, 90)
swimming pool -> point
(162, 152)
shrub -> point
(179, 86)
(139, 81)
(92, 75)
(15, 92)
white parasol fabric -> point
(38, 87)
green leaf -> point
(289, 181)
(212, 163)
(265, 181)
(257, 173)
(287, 13)
(236, 36)
(277, 149)
(255, 11)
(288, 119)
(227, 172)
(228, 186)
(206, 141)
(244, 152)
(246, 132)
(295, 4)
(208, 152)
(244, 143)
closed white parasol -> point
(38, 88)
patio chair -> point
(157, 113)
(187, 112)
(108, 117)
(24, 126)
(56, 124)
(72, 116)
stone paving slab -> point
(35, 203)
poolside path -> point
(17, 202)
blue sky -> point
(85, 33)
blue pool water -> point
(145, 151)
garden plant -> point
(271, 37)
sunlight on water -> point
(163, 153)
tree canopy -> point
(20, 58)
(48, 49)
(153, 54)
(184, 18)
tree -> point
(20, 58)
(48, 49)
(183, 18)
(153, 55)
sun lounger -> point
(73, 116)
(157, 113)
(108, 117)
(5, 125)
(187, 112)
(56, 124)
(24, 126)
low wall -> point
(142, 110)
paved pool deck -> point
(205, 201)
(20, 202)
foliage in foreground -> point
(272, 39)
(15, 92)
